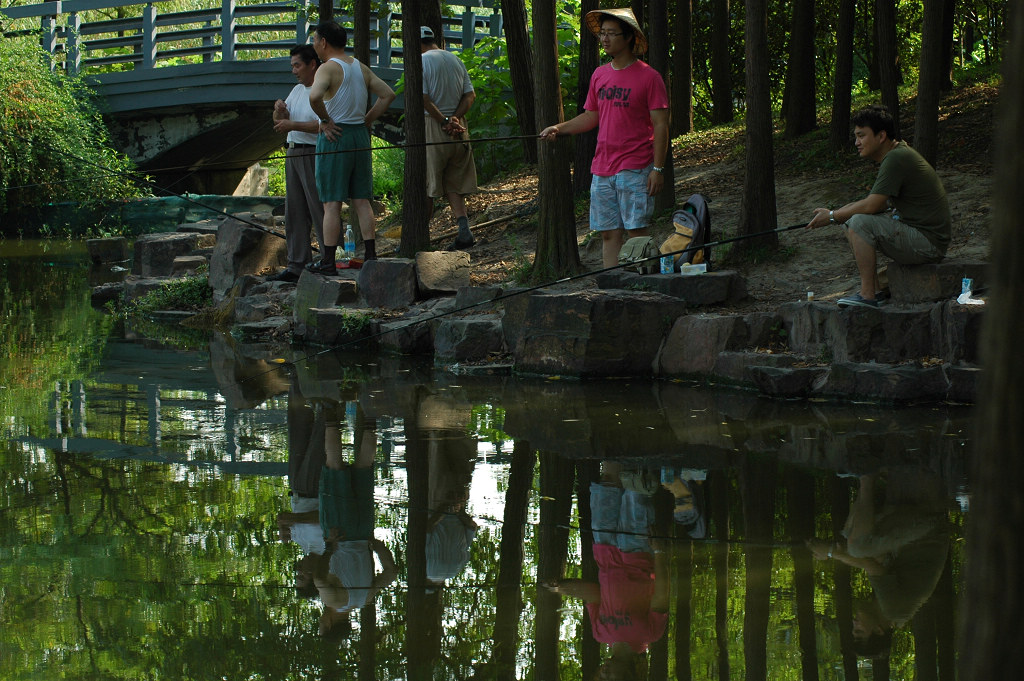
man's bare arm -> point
(582, 123)
(869, 205)
(385, 95)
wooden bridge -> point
(193, 91)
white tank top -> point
(348, 105)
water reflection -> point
(220, 514)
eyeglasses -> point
(606, 34)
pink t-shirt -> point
(624, 613)
(623, 101)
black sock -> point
(327, 255)
(370, 246)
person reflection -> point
(628, 606)
(305, 461)
(344, 575)
(897, 533)
(452, 457)
(687, 489)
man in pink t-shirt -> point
(628, 103)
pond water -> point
(203, 509)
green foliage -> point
(522, 265)
(388, 170)
(53, 143)
(188, 293)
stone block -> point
(441, 272)
(957, 330)
(939, 281)
(104, 293)
(964, 383)
(314, 291)
(341, 328)
(886, 382)
(113, 249)
(732, 366)
(201, 227)
(888, 334)
(713, 288)
(513, 316)
(468, 338)
(407, 336)
(243, 249)
(185, 265)
(594, 332)
(136, 287)
(787, 382)
(255, 309)
(388, 282)
(155, 253)
(478, 297)
(694, 343)
(260, 329)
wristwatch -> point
(659, 170)
(832, 217)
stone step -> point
(711, 288)
(939, 281)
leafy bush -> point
(188, 293)
(53, 143)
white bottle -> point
(350, 243)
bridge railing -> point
(76, 33)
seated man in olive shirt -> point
(917, 228)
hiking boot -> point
(857, 300)
(462, 244)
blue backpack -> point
(691, 229)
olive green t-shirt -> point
(915, 193)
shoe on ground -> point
(285, 275)
(882, 295)
(857, 300)
(462, 244)
(325, 269)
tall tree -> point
(886, 55)
(681, 92)
(839, 130)
(585, 144)
(991, 647)
(721, 63)
(361, 32)
(926, 117)
(757, 210)
(557, 252)
(658, 57)
(416, 205)
(948, 26)
(520, 66)
(800, 102)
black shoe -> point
(326, 269)
(462, 244)
(284, 275)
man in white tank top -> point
(339, 97)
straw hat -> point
(595, 17)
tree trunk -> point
(948, 26)
(721, 63)
(757, 210)
(361, 32)
(757, 487)
(325, 11)
(991, 634)
(520, 66)
(556, 485)
(682, 68)
(658, 58)
(718, 483)
(839, 131)
(886, 55)
(416, 205)
(926, 117)
(800, 110)
(801, 528)
(557, 252)
(585, 145)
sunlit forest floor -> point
(807, 176)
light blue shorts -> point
(621, 518)
(621, 201)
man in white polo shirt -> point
(302, 202)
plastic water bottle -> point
(350, 243)
(667, 264)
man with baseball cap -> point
(447, 96)
(628, 103)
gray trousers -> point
(302, 206)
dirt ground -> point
(504, 212)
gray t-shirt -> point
(445, 79)
(916, 193)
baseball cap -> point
(426, 32)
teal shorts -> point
(343, 167)
(346, 502)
